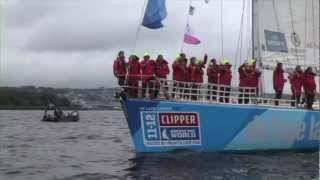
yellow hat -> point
(251, 61)
(225, 61)
(146, 54)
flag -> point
(191, 10)
(189, 38)
(155, 12)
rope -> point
(278, 25)
(249, 36)
(136, 35)
(239, 43)
(221, 30)
(292, 26)
(305, 32)
(313, 32)
(139, 25)
(186, 26)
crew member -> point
(225, 80)
(161, 71)
(296, 85)
(148, 68)
(188, 77)
(278, 81)
(253, 78)
(179, 71)
(244, 71)
(134, 74)
(213, 79)
(119, 68)
(309, 86)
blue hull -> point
(161, 126)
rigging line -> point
(136, 35)
(186, 26)
(292, 26)
(221, 30)
(239, 43)
(313, 32)
(249, 36)
(278, 26)
(305, 31)
(139, 25)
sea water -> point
(99, 147)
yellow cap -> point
(251, 61)
(146, 54)
(225, 61)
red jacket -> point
(213, 74)
(179, 70)
(134, 70)
(243, 80)
(278, 79)
(119, 68)
(253, 79)
(309, 83)
(296, 82)
(196, 74)
(188, 73)
(225, 75)
(148, 69)
(162, 69)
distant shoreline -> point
(111, 108)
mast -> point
(319, 57)
(252, 28)
(256, 40)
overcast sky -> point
(72, 43)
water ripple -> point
(100, 147)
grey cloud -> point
(72, 43)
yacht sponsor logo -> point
(170, 128)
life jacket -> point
(162, 69)
(148, 68)
(278, 79)
(225, 75)
(309, 83)
(179, 70)
(213, 74)
(119, 68)
(296, 82)
(134, 70)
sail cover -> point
(155, 12)
(286, 31)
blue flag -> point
(155, 12)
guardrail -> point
(163, 89)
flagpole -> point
(185, 27)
